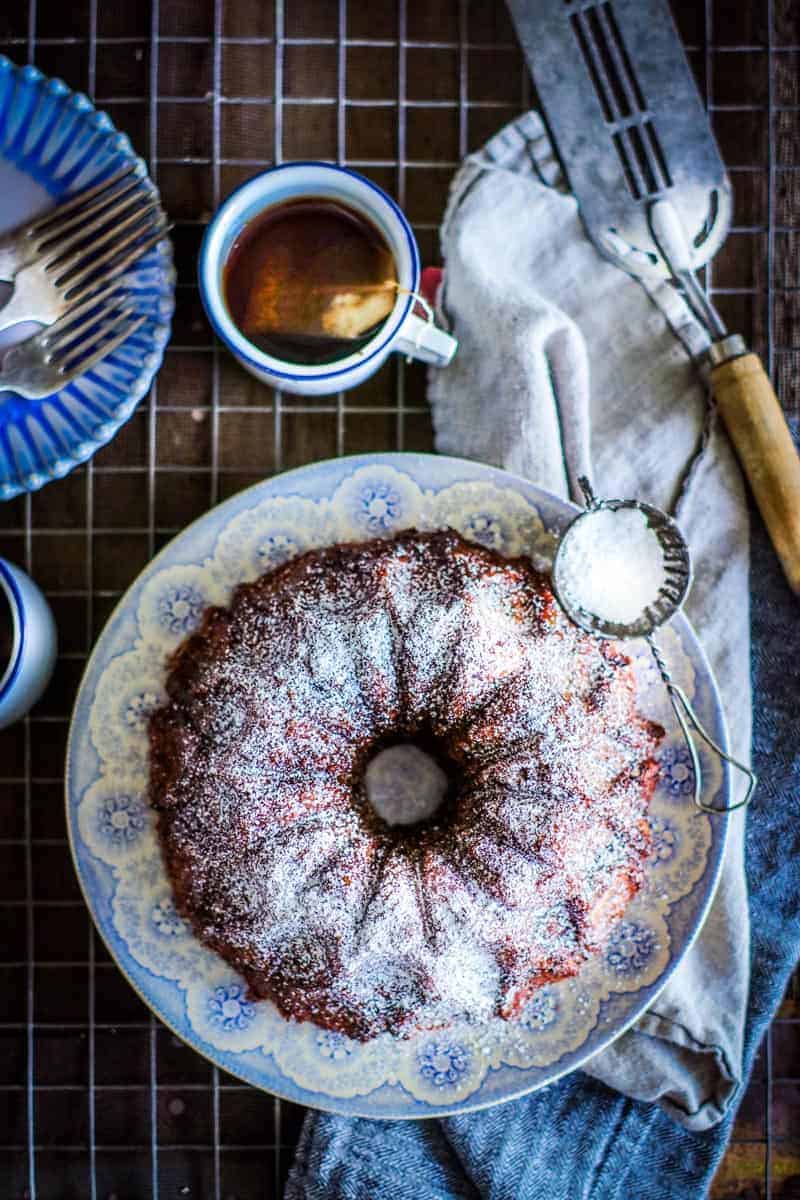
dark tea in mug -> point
(310, 280)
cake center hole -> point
(405, 785)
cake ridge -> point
(278, 702)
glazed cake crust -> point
(275, 707)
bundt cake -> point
(280, 703)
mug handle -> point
(424, 341)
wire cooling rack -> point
(97, 1099)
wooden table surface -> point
(96, 1098)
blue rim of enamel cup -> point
(14, 598)
(210, 305)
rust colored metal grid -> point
(96, 1098)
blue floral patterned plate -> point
(198, 995)
(54, 142)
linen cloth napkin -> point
(533, 305)
(567, 366)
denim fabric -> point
(577, 1139)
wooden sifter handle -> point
(758, 430)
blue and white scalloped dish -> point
(54, 142)
(196, 993)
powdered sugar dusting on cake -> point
(276, 856)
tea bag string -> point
(386, 286)
(685, 713)
(424, 305)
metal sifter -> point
(621, 570)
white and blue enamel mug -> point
(403, 331)
(27, 643)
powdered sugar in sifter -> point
(621, 570)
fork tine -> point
(59, 338)
(76, 293)
(73, 362)
(61, 267)
(77, 201)
(102, 208)
(100, 335)
(74, 311)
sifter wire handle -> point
(688, 720)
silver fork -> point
(48, 287)
(49, 360)
(82, 213)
